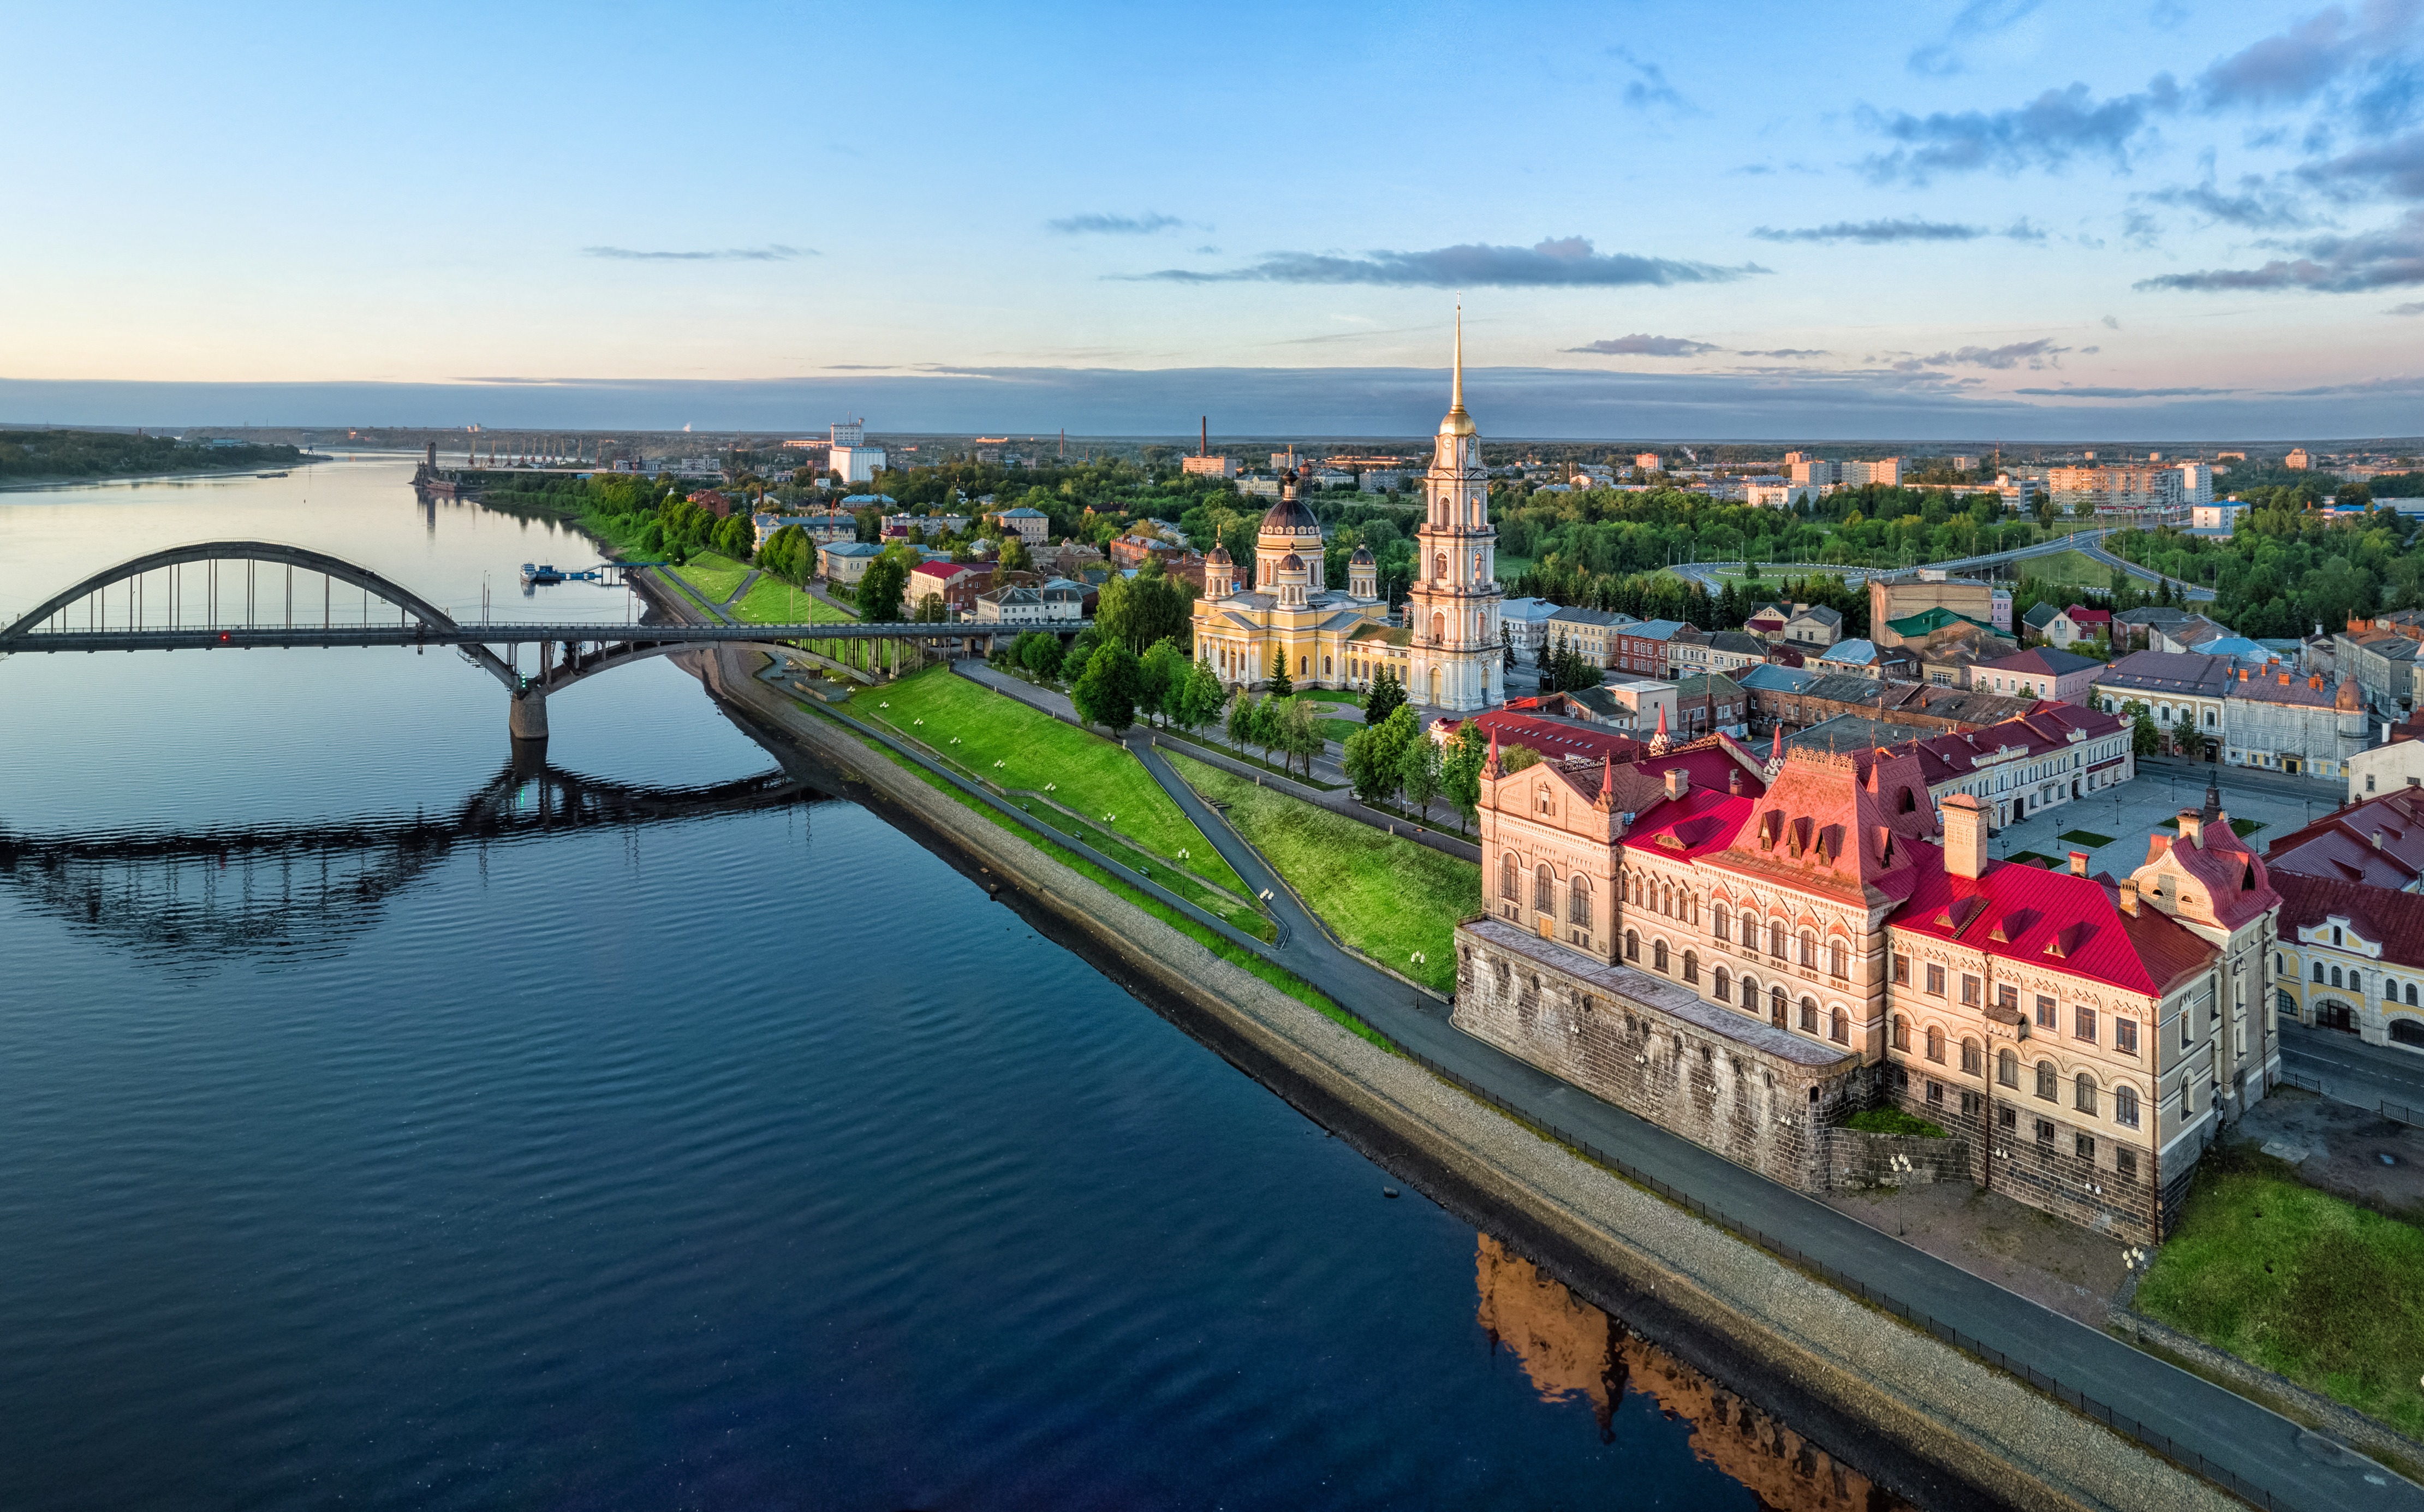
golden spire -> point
(1458, 422)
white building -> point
(2385, 768)
(1452, 609)
(2212, 516)
(857, 464)
(2196, 483)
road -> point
(2352, 1070)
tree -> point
(1146, 608)
(1507, 644)
(1386, 693)
(1420, 771)
(1299, 732)
(1199, 699)
(735, 536)
(1164, 668)
(931, 609)
(1106, 693)
(1266, 731)
(1014, 556)
(1039, 652)
(2144, 739)
(1378, 753)
(1460, 767)
(1239, 726)
(880, 587)
(1281, 686)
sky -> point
(2003, 218)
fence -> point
(2395, 1112)
(2160, 1443)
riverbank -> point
(1955, 1432)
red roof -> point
(2235, 882)
(1845, 824)
(942, 571)
(2394, 920)
(1703, 821)
(2053, 920)
(2044, 729)
(2340, 847)
(2078, 614)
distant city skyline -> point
(2015, 218)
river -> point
(379, 1134)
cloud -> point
(2396, 166)
(774, 252)
(1875, 232)
(2412, 306)
(1101, 225)
(1790, 352)
(1649, 87)
(2369, 52)
(2048, 133)
(2036, 354)
(2252, 206)
(1980, 18)
(2112, 322)
(2088, 392)
(1565, 261)
(2390, 257)
(1639, 345)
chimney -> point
(2377, 840)
(2193, 827)
(2130, 899)
(1679, 782)
(2079, 863)
(1733, 782)
(1203, 442)
(1965, 836)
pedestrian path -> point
(733, 598)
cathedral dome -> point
(1291, 562)
(1362, 555)
(1217, 556)
(2346, 699)
(1289, 516)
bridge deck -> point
(227, 636)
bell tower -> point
(1452, 608)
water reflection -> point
(184, 895)
(1570, 1349)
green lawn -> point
(2048, 860)
(2088, 838)
(1338, 729)
(773, 601)
(1388, 898)
(2241, 827)
(1090, 774)
(2322, 1291)
(1330, 695)
(714, 577)
(2075, 569)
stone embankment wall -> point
(1750, 1092)
(1938, 1426)
(1857, 1159)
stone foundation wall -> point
(1672, 1062)
(2090, 1193)
(1857, 1159)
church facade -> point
(1446, 654)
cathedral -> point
(1447, 655)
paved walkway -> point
(747, 583)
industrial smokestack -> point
(1204, 441)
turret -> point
(1362, 576)
(1220, 574)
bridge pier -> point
(526, 714)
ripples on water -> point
(728, 1158)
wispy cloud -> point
(1565, 261)
(2390, 257)
(774, 252)
(1790, 352)
(1649, 88)
(1103, 225)
(2085, 391)
(2036, 354)
(2256, 205)
(2394, 166)
(1980, 18)
(2364, 62)
(1877, 231)
(2049, 132)
(2412, 306)
(1639, 345)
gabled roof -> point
(1769, 678)
(2169, 671)
(1928, 621)
(2151, 617)
(1851, 653)
(2040, 617)
(1842, 824)
(853, 549)
(2051, 663)
(942, 571)
(1382, 633)
(2081, 614)
(1736, 640)
(2340, 847)
(1822, 615)
(2236, 886)
(1706, 684)
(2053, 920)
(1655, 629)
(2394, 920)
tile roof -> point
(2392, 920)
(2051, 920)
(2081, 614)
(1837, 824)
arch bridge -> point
(150, 603)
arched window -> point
(1720, 925)
(1667, 901)
(2319, 973)
(1507, 886)
(1751, 995)
(1839, 959)
(2007, 1068)
(1724, 992)
(1632, 945)
(2046, 1081)
(2336, 977)
(1901, 1032)
(1809, 1015)
(1439, 628)
(1936, 1044)
(1439, 565)
(2125, 1106)
(1578, 901)
(1749, 930)
(2084, 1093)
(1691, 966)
(1775, 939)
(1809, 951)
(2410, 995)
(1658, 955)
(1776, 1004)
(1544, 889)
(1973, 1061)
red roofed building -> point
(956, 583)
(2080, 1038)
(2378, 842)
(2351, 958)
(2018, 766)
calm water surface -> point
(374, 1134)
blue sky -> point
(1998, 219)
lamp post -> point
(1900, 1165)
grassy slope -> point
(1386, 897)
(2073, 569)
(713, 577)
(1091, 775)
(2322, 1291)
(773, 601)
(1286, 981)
